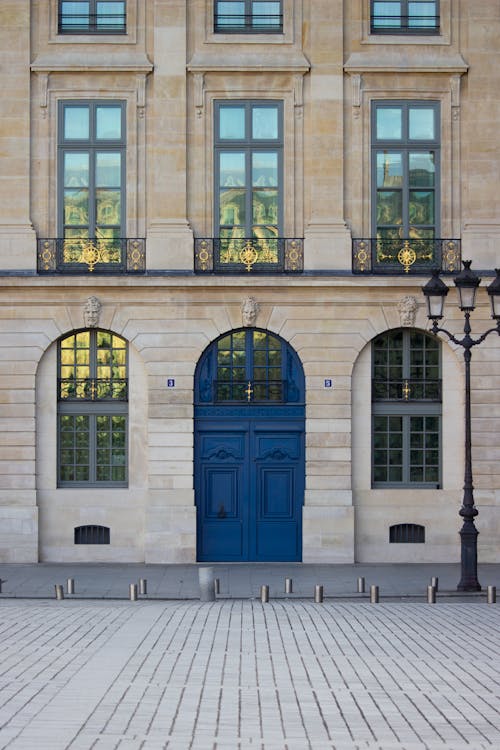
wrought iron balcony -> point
(251, 391)
(92, 23)
(98, 256)
(251, 255)
(399, 24)
(415, 256)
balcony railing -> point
(413, 256)
(252, 391)
(93, 389)
(407, 389)
(98, 256)
(92, 23)
(240, 23)
(252, 255)
(399, 24)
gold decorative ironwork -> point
(362, 256)
(451, 255)
(249, 390)
(47, 256)
(91, 254)
(407, 256)
(136, 260)
(406, 390)
(294, 255)
(249, 255)
(203, 255)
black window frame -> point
(248, 145)
(405, 26)
(248, 22)
(89, 21)
(406, 146)
(400, 403)
(89, 403)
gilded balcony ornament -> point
(293, 255)
(407, 256)
(362, 256)
(249, 255)
(47, 255)
(451, 255)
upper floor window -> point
(92, 17)
(92, 409)
(92, 179)
(406, 409)
(404, 17)
(405, 174)
(248, 16)
(248, 174)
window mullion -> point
(93, 447)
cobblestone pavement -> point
(241, 675)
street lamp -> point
(435, 292)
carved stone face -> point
(249, 311)
(407, 308)
(91, 312)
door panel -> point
(249, 484)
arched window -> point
(406, 409)
(92, 397)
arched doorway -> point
(249, 449)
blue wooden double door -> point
(249, 450)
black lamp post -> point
(435, 292)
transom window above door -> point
(249, 366)
(404, 17)
(92, 17)
(248, 16)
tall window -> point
(248, 16)
(92, 17)
(405, 170)
(91, 176)
(406, 409)
(248, 173)
(404, 17)
(92, 409)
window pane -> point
(76, 170)
(386, 15)
(76, 123)
(389, 123)
(108, 123)
(421, 207)
(232, 208)
(265, 207)
(110, 15)
(265, 169)
(108, 207)
(266, 14)
(232, 123)
(76, 208)
(232, 169)
(230, 14)
(389, 207)
(421, 127)
(389, 169)
(422, 169)
(422, 15)
(74, 15)
(108, 169)
(265, 123)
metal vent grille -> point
(411, 533)
(91, 535)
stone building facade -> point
(215, 222)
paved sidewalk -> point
(111, 581)
(241, 675)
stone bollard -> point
(361, 585)
(431, 594)
(264, 594)
(70, 585)
(318, 593)
(133, 592)
(143, 586)
(207, 584)
(374, 594)
(492, 594)
(59, 591)
(288, 586)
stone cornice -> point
(375, 62)
(76, 62)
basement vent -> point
(407, 533)
(92, 535)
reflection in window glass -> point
(76, 123)
(421, 124)
(389, 123)
(232, 123)
(265, 123)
